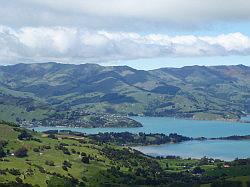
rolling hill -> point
(28, 158)
(39, 92)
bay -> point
(190, 128)
(221, 149)
(227, 150)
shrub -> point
(36, 149)
(19, 180)
(85, 160)
(46, 147)
(21, 152)
(14, 172)
(52, 136)
(24, 135)
(3, 143)
(49, 163)
(2, 153)
(67, 164)
(73, 151)
(198, 170)
(65, 168)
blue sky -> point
(144, 34)
(149, 64)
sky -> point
(143, 34)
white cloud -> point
(122, 14)
(29, 44)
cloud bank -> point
(72, 45)
(122, 14)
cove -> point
(226, 150)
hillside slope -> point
(68, 161)
(34, 92)
(29, 159)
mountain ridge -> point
(199, 92)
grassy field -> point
(78, 169)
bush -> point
(52, 136)
(3, 143)
(14, 172)
(85, 160)
(49, 163)
(46, 147)
(36, 149)
(65, 168)
(67, 164)
(21, 152)
(24, 135)
(19, 180)
(2, 153)
(198, 170)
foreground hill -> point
(65, 160)
(36, 92)
(68, 160)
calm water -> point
(222, 149)
(184, 127)
(227, 150)
(246, 118)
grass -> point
(11, 112)
(78, 169)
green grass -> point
(11, 112)
(243, 179)
(78, 169)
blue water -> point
(226, 150)
(191, 128)
(221, 149)
(246, 118)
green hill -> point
(39, 92)
(28, 157)
(65, 160)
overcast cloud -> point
(29, 44)
(122, 14)
(100, 31)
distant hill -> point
(35, 92)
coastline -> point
(134, 127)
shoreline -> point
(132, 117)
(196, 119)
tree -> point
(49, 163)
(52, 136)
(36, 149)
(85, 160)
(21, 152)
(2, 153)
(67, 164)
(24, 135)
(198, 170)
